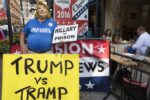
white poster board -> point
(65, 33)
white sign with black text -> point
(65, 33)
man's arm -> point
(138, 44)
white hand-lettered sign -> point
(65, 33)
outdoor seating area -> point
(130, 75)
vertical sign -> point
(68, 12)
(40, 77)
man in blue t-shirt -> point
(38, 32)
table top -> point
(135, 58)
(123, 60)
(143, 64)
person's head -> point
(140, 30)
(116, 38)
(108, 32)
(42, 11)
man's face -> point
(138, 31)
(42, 11)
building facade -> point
(1, 4)
(15, 10)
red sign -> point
(96, 48)
(94, 62)
(2, 13)
(69, 12)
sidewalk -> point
(95, 96)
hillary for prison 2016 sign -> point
(70, 12)
(40, 77)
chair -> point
(147, 52)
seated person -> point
(108, 35)
(143, 41)
(116, 39)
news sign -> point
(94, 62)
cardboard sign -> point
(40, 77)
(65, 33)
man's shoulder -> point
(144, 36)
(145, 33)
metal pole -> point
(50, 6)
(22, 12)
(48, 3)
(9, 23)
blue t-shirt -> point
(39, 34)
